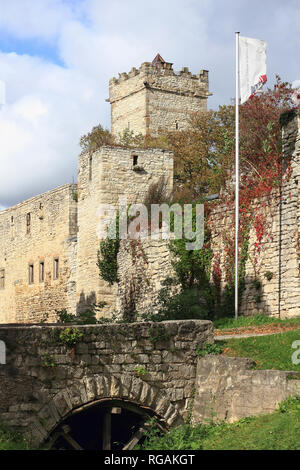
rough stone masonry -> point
(43, 382)
(151, 365)
(277, 272)
(49, 243)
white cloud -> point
(42, 19)
(48, 109)
(50, 106)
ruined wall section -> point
(33, 235)
(103, 178)
(272, 272)
(148, 101)
(142, 268)
(279, 253)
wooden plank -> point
(116, 410)
(106, 431)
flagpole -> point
(236, 284)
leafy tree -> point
(93, 140)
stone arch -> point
(97, 388)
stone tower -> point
(154, 98)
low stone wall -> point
(227, 389)
(149, 364)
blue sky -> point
(56, 57)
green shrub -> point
(215, 348)
(186, 304)
(268, 275)
(87, 317)
(10, 440)
(70, 337)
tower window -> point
(135, 160)
(55, 268)
(42, 271)
(2, 278)
(28, 222)
(31, 274)
(176, 125)
(90, 167)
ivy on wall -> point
(107, 257)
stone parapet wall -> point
(151, 365)
(42, 382)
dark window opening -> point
(55, 268)
(90, 168)
(2, 278)
(28, 222)
(176, 125)
(12, 219)
(31, 274)
(135, 160)
(42, 271)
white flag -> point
(253, 66)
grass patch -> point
(269, 352)
(277, 431)
(255, 320)
(12, 441)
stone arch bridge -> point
(115, 373)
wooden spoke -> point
(135, 438)
(69, 439)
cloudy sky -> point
(56, 57)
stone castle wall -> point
(37, 231)
(279, 253)
(147, 101)
(105, 177)
(278, 258)
(142, 267)
(53, 231)
(60, 228)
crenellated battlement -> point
(147, 68)
(155, 97)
